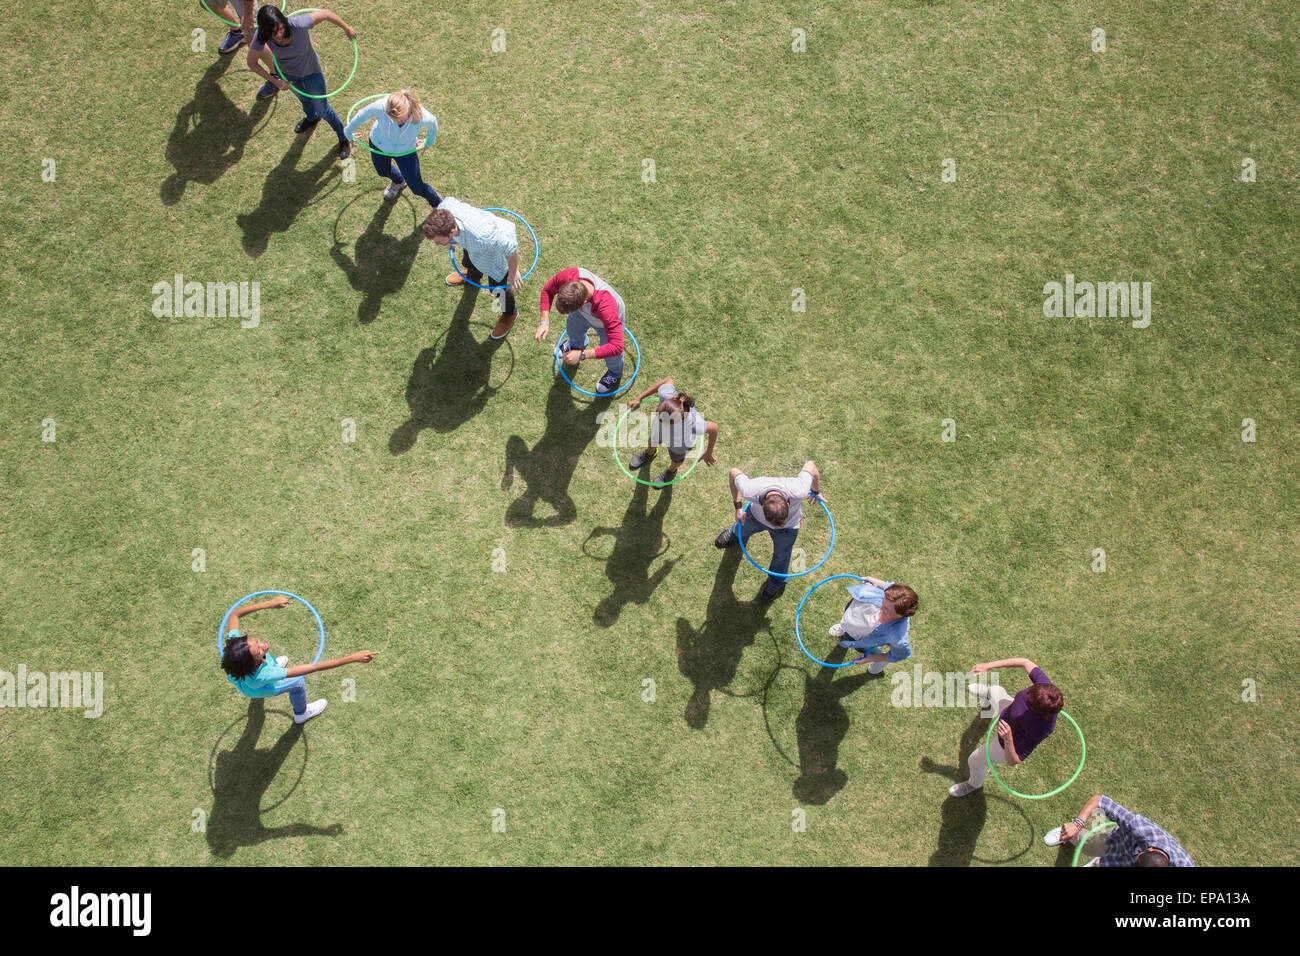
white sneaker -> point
(1053, 837)
(837, 630)
(876, 667)
(314, 708)
(282, 661)
(393, 191)
(961, 789)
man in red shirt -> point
(589, 302)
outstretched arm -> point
(278, 601)
(1023, 662)
(332, 17)
(360, 657)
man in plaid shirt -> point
(1133, 841)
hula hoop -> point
(537, 251)
(356, 58)
(223, 19)
(221, 632)
(799, 637)
(988, 759)
(626, 385)
(778, 574)
(366, 145)
(1106, 825)
(619, 458)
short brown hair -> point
(438, 224)
(903, 599)
(776, 508)
(1044, 699)
(571, 297)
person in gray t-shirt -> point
(775, 506)
(283, 45)
(677, 423)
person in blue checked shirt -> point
(877, 619)
(489, 247)
(1133, 841)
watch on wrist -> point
(738, 504)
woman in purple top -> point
(1024, 721)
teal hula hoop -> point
(221, 632)
(777, 574)
(366, 145)
(537, 251)
(356, 58)
(559, 363)
(988, 759)
(798, 637)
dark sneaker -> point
(305, 125)
(770, 593)
(608, 383)
(233, 41)
(669, 474)
(726, 539)
(641, 458)
(345, 149)
(267, 90)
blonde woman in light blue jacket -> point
(399, 120)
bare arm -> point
(636, 402)
(711, 429)
(332, 17)
(1023, 662)
(811, 468)
(278, 601)
(360, 657)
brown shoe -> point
(455, 279)
(505, 325)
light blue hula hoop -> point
(777, 574)
(537, 251)
(221, 632)
(559, 363)
(798, 637)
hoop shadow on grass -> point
(548, 468)
(451, 384)
(709, 657)
(638, 543)
(382, 262)
(211, 131)
(286, 192)
(964, 817)
(241, 777)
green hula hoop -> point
(223, 19)
(356, 58)
(619, 458)
(988, 758)
(1091, 833)
(367, 146)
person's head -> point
(676, 407)
(273, 26)
(401, 106)
(243, 656)
(1151, 857)
(1045, 700)
(439, 226)
(571, 297)
(902, 599)
(776, 508)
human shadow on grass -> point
(209, 135)
(240, 780)
(451, 385)
(709, 657)
(821, 726)
(638, 543)
(381, 263)
(548, 468)
(286, 192)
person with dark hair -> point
(287, 39)
(1024, 721)
(1133, 841)
(676, 423)
(587, 302)
(489, 246)
(775, 506)
(249, 667)
(877, 616)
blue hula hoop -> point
(798, 637)
(777, 574)
(537, 251)
(221, 632)
(559, 363)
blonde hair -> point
(393, 106)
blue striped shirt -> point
(1132, 834)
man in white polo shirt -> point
(775, 506)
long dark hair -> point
(268, 18)
(237, 661)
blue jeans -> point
(317, 109)
(782, 544)
(577, 325)
(407, 171)
(297, 696)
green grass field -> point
(774, 170)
